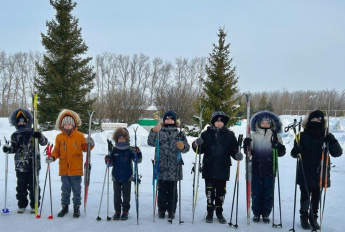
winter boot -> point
(304, 222)
(266, 219)
(256, 218)
(221, 219)
(63, 211)
(161, 214)
(209, 217)
(21, 210)
(313, 221)
(116, 216)
(32, 210)
(171, 215)
(124, 216)
(76, 213)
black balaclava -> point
(316, 127)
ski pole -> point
(5, 209)
(100, 203)
(155, 176)
(136, 176)
(297, 138)
(46, 151)
(49, 152)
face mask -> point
(316, 125)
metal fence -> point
(333, 113)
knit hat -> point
(68, 120)
(169, 114)
(219, 116)
(316, 114)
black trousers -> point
(215, 193)
(314, 196)
(124, 189)
(25, 186)
(166, 199)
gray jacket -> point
(168, 151)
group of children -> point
(217, 143)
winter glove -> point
(295, 151)
(246, 142)
(110, 145)
(50, 159)
(137, 150)
(107, 158)
(239, 156)
(157, 128)
(37, 134)
(329, 138)
(180, 145)
(90, 141)
(6, 148)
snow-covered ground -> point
(333, 216)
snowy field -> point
(333, 216)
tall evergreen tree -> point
(65, 77)
(220, 87)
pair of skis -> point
(87, 165)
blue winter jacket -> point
(122, 162)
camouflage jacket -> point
(168, 151)
(22, 146)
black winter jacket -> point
(217, 147)
(311, 159)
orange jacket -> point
(69, 148)
(70, 151)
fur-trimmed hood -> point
(64, 113)
(119, 131)
(256, 119)
(13, 117)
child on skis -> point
(121, 158)
(217, 143)
(265, 137)
(22, 144)
(310, 149)
(69, 147)
(171, 141)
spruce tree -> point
(65, 78)
(220, 87)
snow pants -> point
(25, 184)
(124, 189)
(68, 184)
(166, 199)
(215, 194)
(262, 195)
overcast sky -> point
(296, 45)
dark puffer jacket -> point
(218, 146)
(22, 142)
(311, 144)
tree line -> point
(125, 86)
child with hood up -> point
(171, 141)
(310, 148)
(265, 137)
(22, 144)
(69, 147)
(121, 158)
(218, 144)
